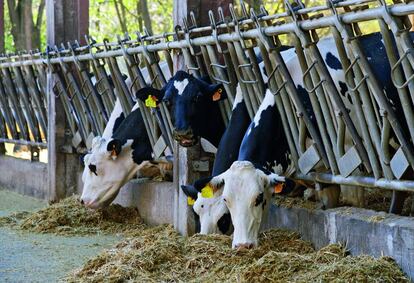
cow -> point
(248, 185)
(115, 160)
(122, 152)
(211, 214)
(194, 106)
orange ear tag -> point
(207, 192)
(151, 101)
(190, 201)
(217, 95)
(279, 188)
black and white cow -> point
(247, 186)
(212, 213)
(194, 106)
(115, 159)
(122, 152)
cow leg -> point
(354, 196)
(397, 202)
(329, 196)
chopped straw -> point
(69, 217)
(161, 255)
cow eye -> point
(202, 206)
(259, 199)
(92, 168)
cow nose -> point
(244, 246)
(89, 203)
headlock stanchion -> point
(354, 137)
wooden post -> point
(67, 20)
(184, 157)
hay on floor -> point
(69, 217)
(160, 254)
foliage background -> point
(106, 22)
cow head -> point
(108, 167)
(188, 99)
(211, 211)
(247, 192)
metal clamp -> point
(397, 64)
(262, 36)
(214, 32)
(306, 74)
(280, 89)
(249, 65)
(219, 79)
(237, 26)
(187, 36)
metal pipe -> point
(360, 181)
(306, 25)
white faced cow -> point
(212, 213)
(247, 185)
(122, 152)
(115, 160)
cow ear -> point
(201, 183)
(85, 158)
(150, 96)
(216, 92)
(210, 187)
(280, 185)
(191, 193)
(96, 141)
(114, 148)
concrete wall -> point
(23, 176)
(363, 231)
(155, 201)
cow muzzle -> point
(90, 204)
(185, 138)
(244, 246)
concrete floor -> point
(30, 257)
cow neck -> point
(229, 145)
(133, 128)
(264, 143)
(115, 120)
(208, 122)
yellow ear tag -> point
(190, 201)
(279, 188)
(217, 94)
(151, 101)
(207, 192)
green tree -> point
(26, 23)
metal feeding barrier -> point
(360, 142)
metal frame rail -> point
(362, 144)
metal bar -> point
(14, 102)
(6, 112)
(36, 97)
(25, 103)
(306, 25)
(360, 181)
